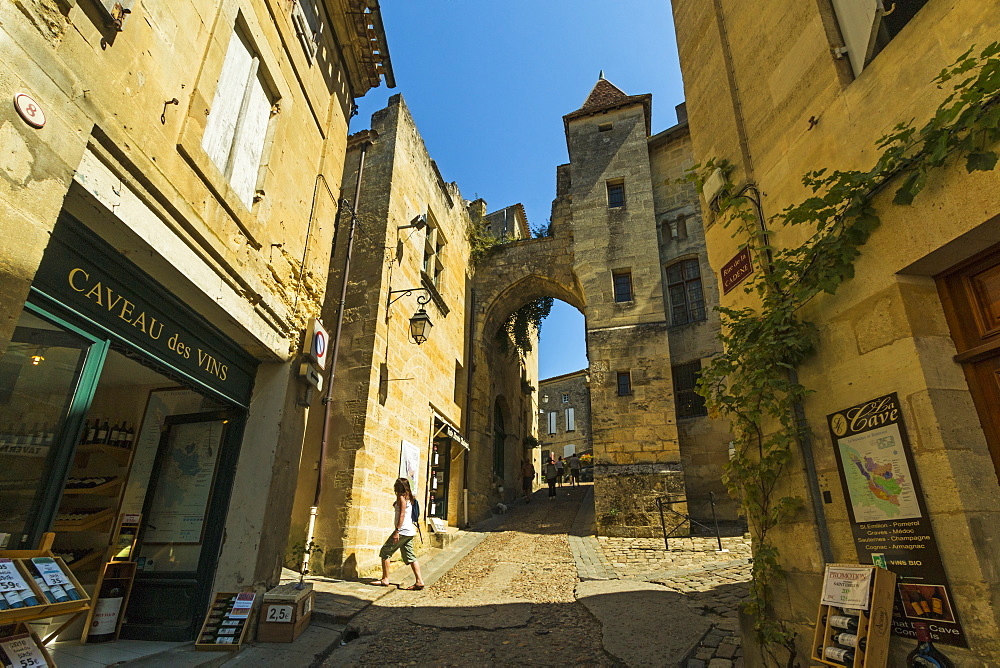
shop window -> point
(239, 117)
(687, 303)
(616, 194)
(688, 402)
(570, 419)
(624, 383)
(552, 422)
(622, 281)
(434, 243)
(305, 16)
(867, 26)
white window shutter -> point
(552, 422)
(859, 21)
(249, 145)
(225, 110)
(570, 419)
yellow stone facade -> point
(772, 91)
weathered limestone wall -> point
(551, 391)
(885, 330)
(704, 441)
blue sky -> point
(488, 83)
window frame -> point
(691, 315)
(616, 193)
(571, 419)
(565, 397)
(553, 427)
(616, 276)
(865, 29)
(624, 390)
(685, 380)
(432, 264)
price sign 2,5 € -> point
(279, 613)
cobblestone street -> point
(539, 589)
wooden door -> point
(971, 297)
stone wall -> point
(577, 392)
(770, 96)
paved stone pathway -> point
(542, 589)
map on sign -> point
(878, 477)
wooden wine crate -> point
(217, 616)
(45, 609)
(874, 624)
(285, 613)
(24, 633)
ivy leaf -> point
(912, 185)
(982, 161)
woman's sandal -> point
(414, 587)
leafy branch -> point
(752, 383)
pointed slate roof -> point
(605, 96)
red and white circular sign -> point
(29, 110)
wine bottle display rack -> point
(857, 638)
(39, 585)
(225, 625)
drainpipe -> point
(468, 407)
(801, 425)
(328, 399)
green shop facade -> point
(118, 398)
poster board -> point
(889, 520)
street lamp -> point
(420, 322)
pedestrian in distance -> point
(560, 471)
(527, 478)
(550, 476)
(403, 531)
(574, 470)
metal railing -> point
(686, 517)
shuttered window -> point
(868, 25)
(570, 419)
(552, 422)
(238, 118)
(305, 16)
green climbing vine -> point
(753, 382)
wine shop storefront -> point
(118, 398)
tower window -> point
(687, 303)
(616, 194)
(624, 383)
(622, 281)
(688, 402)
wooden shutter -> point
(225, 110)
(552, 422)
(570, 419)
(859, 21)
(249, 142)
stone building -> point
(167, 176)
(564, 415)
(790, 87)
(626, 249)
(401, 406)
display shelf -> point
(226, 623)
(45, 610)
(103, 448)
(102, 489)
(82, 524)
(874, 623)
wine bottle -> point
(850, 640)
(115, 435)
(92, 433)
(846, 622)
(842, 655)
(54, 593)
(434, 481)
(13, 599)
(433, 512)
(129, 438)
(102, 432)
(107, 608)
(925, 654)
(435, 456)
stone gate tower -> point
(605, 195)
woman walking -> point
(402, 536)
